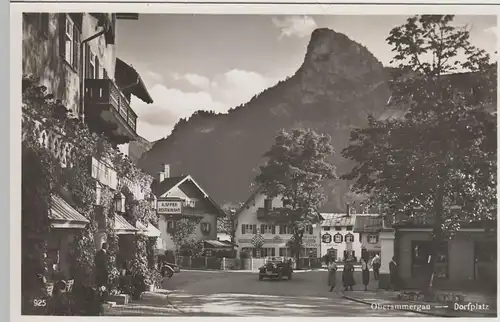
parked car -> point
(169, 269)
(276, 268)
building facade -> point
(181, 197)
(368, 226)
(338, 237)
(74, 56)
(468, 260)
(261, 230)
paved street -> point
(215, 293)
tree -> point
(227, 224)
(442, 151)
(295, 170)
(183, 230)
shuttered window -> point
(69, 40)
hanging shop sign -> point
(326, 238)
(338, 238)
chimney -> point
(161, 177)
(348, 209)
(166, 171)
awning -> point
(123, 227)
(62, 215)
(148, 230)
(217, 244)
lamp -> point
(153, 201)
(119, 202)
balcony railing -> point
(54, 141)
(105, 92)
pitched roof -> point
(138, 88)
(337, 220)
(368, 223)
(168, 184)
(62, 215)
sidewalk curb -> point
(173, 305)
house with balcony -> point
(263, 229)
(74, 57)
(182, 197)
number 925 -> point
(39, 302)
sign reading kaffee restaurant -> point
(169, 207)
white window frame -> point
(372, 239)
(92, 64)
(248, 229)
(69, 39)
(268, 229)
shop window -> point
(421, 251)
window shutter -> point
(62, 34)
(87, 61)
(243, 229)
(97, 67)
(310, 230)
(76, 47)
(104, 74)
(254, 226)
(274, 229)
(262, 228)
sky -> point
(217, 62)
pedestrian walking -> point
(376, 266)
(394, 275)
(101, 266)
(332, 273)
(348, 275)
(365, 271)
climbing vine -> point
(63, 167)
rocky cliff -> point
(339, 83)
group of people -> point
(348, 280)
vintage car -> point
(168, 269)
(276, 268)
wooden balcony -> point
(104, 104)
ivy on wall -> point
(43, 176)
